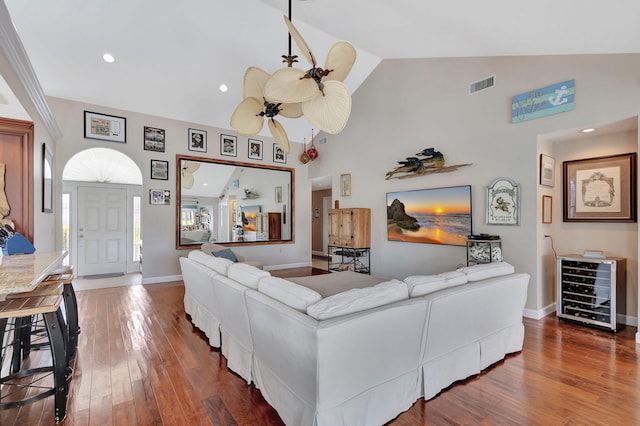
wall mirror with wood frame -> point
(232, 203)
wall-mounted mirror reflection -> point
(230, 202)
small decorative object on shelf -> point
(591, 290)
(483, 248)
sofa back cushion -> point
(359, 299)
(289, 293)
(219, 264)
(199, 256)
(419, 285)
(487, 270)
(246, 274)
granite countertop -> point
(23, 272)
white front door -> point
(102, 230)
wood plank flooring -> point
(141, 362)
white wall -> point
(615, 239)
(160, 255)
(408, 105)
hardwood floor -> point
(141, 362)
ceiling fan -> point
(188, 168)
(325, 99)
(248, 117)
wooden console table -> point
(23, 272)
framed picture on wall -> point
(255, 149)
(197, 140)
(279, 156)
(601, 189)
(503, 202)
(159, 169)
(105, 127)
(546, 209)
(153, 139)
(159, 196)
(228, 145)
(47, 179)
(547, 170)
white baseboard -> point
(165, 279)
(541, 313)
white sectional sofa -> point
(322, 354)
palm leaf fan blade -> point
(188, 168)
(253, 84)
(302, 45)
(330, 112)
(288, 86)
(187, 180)
(246, 118)
(291, 110)
(278, 133)
(340, 60)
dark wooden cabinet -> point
(269, 226)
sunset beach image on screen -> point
(430, 216)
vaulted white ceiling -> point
(172, 56)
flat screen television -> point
(430, 216)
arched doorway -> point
(102, 190)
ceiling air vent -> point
(483, 84)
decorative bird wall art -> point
(425, 162)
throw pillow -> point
(226, 254)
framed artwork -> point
(105, 127)
(430, 216)
(279, 156)
(47, 179)
(345, 185)
(159, 196)
(248, 217)
(228, 145)
(278, 196)
(601, 189)
(255, 149)
(547, 170)
(153, 139)
(503, 202)
(546, 209)
(159, 169)
(197, 140)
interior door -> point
(102, 230)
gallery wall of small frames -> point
(113, 129)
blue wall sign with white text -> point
(542, 102)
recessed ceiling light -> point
(589, 130)
(205, 184)
(108, 57)
(223, 87)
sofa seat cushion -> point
(487, 270)
(289, 293)
(359, 299)
(246, 275)
(419, 285)
(337, 282)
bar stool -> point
(51, 285)
(49, 307)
